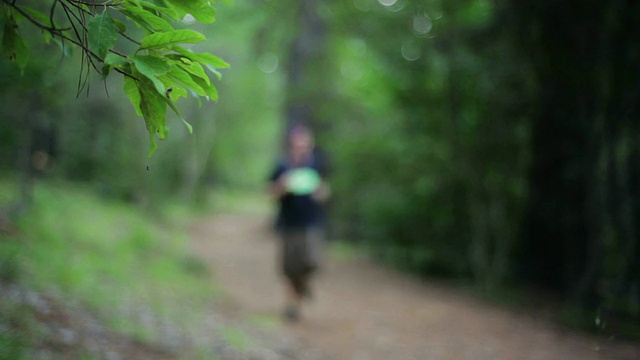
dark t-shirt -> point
(299, 211)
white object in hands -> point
(302, 181)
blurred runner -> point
(299, 184)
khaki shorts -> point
(301, 256)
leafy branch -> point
(157, 74)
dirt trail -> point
(365, 312)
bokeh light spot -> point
(188, 19)
(387, 2)
(268, 63)
(410, 51)
(422, 24)
(358, 46)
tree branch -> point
(75, 5)
(59, 33)
(88, 3)
(34, 21)
(52, 12)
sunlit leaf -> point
(208, 87)
(132, 92)
(199, 9)
(160, 9)
(182, 77)
(151, 20)
(177, 91)
(195, 69)
(164, 39)
(150, 67)
(203, 58)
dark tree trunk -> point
(306, 55)
(556, 233)
(583, 202)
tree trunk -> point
(306, 54)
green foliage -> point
(10, 257)
(430, 159)
(14, 341)
(162, 71)
(13, 45)
(165, 39)
(87, 249)
(432, 113)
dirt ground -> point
(363, 311)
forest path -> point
(363, 311)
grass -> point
(129, 268)
(86, 246)
(236, 338)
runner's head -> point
(300, 143)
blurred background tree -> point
(491, 141)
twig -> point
(52, 12)
(84, 27)
(75, 5)
(36, 22)
(59, 32)
(129, 38)
(87, 3)
(94, 55)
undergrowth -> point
(128, 267)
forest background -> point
(490, 142)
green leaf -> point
(165, 39)
(203, 58)
(175, 91)
(183, 78)
(199, 9)
(122, 27)
(154, 109)
(152, 66)
(193, 76)
(102, 34)
(113, 61)
(159, 8)
(193, 68)
(13, 45)
(131, 89)
(209, 89)
(147, 19)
